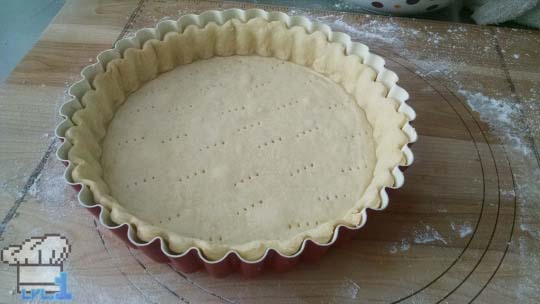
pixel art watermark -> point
(40, 267)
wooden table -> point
(464, 228)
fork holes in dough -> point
(249, 125)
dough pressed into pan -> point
(241, 136)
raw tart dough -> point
(241, 136)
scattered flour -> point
(403, 245)
(428, 235)
(527, 228)
(463, 229)
(387, 32)
(342, 6)
(33, 190)
(508, 193)
(349, 289)
(528, 289)
(503, 116)
(50, 189)
(434, 67)
(435, 38)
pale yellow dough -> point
(255, 136)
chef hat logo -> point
(50, 249)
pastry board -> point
(464, 228)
